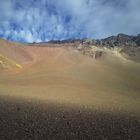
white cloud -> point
(44, 20)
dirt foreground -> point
(56, 92)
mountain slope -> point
(13, 55)
(68, 90)
(60, 69)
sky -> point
(44, 20)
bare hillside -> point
(72, 79)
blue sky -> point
(43, 20)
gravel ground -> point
(20, 120)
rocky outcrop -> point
(129, 45)
(120, 40)
(113, 41)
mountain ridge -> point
(111, 41)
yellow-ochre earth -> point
(57, 91)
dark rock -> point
(121, 40)
(98, 54)
(112, 41)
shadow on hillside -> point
(38, 121)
